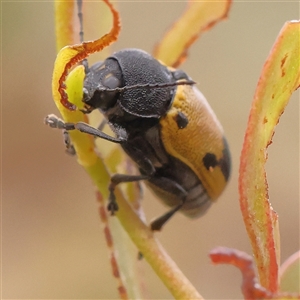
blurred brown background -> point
(52, 240)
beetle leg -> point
(168, 185)
(67, 141)
(159, 222)
(144, 164)
(115, 180)
(55, 122)
(102, 124)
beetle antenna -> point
(150, 86)
(81, 33)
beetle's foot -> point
(112, 207)
(140, 255)
(158, 223)
(69, 146)
(54, 122)
(112, 203)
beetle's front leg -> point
(55, 122)
(68, 143)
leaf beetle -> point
(163, 123)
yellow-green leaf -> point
(64, 23)
(278, 80)
(198, 17)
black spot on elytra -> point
(225, 161)
(181, 120)
(210, 160)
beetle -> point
(165, 125)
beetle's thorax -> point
(123, 85)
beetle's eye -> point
(104, 98)
(100, 84)
(111, 82)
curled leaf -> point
(251, 288)
(278, 80)
(69, 56)
(244, 262)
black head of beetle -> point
(131, 82)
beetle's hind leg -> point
(166, 183)
(175, 189)
(159, 222)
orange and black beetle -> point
(165, 125)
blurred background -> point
(52, 240)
